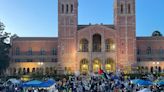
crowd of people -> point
(99, 83)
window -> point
(122, 8)
(84, 45)
(67, 8)
(54, 60)
(96, 46)
(54, 51)
(160, 51)
(29, 60)
(138, 59)
(42, 52)
(17, 51)
(42, 60)
(148, 50)
(109, 45)
(71, 8)
(29, 51)
(62, 8)
(138, 51)
(129, 8)
(17, 60)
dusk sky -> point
(35, 18)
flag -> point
(100, 71)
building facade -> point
(87, 48)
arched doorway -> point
(159, 69)
(84, 66)
(96, 46)
(28, 70)
(96, 65)
(24, 71)
(109, 65)
(151, 70)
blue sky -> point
(35, 18)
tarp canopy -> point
(36, 83)
(141, 82)
(159, 82)
(46, 83)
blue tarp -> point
(160, 83)
(141, 82)
(36, 83)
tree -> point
(4, 49)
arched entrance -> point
(96, 65)
(109, 65)
(84, 66)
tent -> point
(14, 81)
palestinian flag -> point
(100, 71)
(103, 74)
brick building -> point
(87, 48)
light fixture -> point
(157, 63)
(153, 63)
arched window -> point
(62, 8)
(71, 8)
(129, 8)
(67, 8)
(96, 46)
(109, 65)
(148, 51)
(122, 8)
(84, 45)
(109, 45)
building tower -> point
(67, 29)
(125, 24)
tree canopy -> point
(156, 33)
(4, 48)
